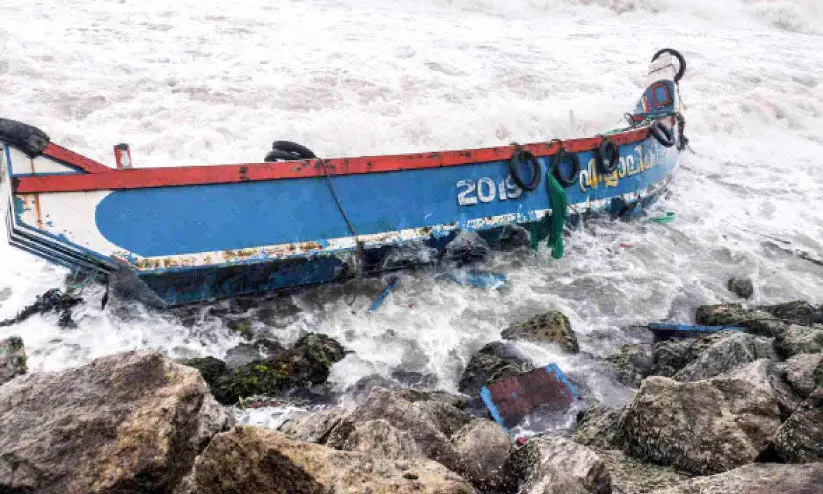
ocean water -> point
(203, 82)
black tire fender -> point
(572, 160)
(662, 134)
(680, 59)
(607, 156)
(288, 150)
(523, 155)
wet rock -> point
(295, 370)
(633, 363)
(726, 353)
(757, 478)
(417, 380)
(804, 373)
(757, 322)
(800, 438)
(797, 312)
(630, 476)
(796, 339)
(249, 459)
(312, 427)
(485, 449)
(379, 439)
(364, 386)
(245, 353)
(551, 327)
(493, 361)
(599, 427)
(542, 457)
(672, 355)
(12, 359)
(132, 422)
(742, 287)
(242, 326)
(703, 427)
(210, 368)
(430, 423)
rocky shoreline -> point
(731, 412)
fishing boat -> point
(178, 235)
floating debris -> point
(378, 301)
(53, 300)
(513, 398)
(664, 219)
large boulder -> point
(741, 286)
(757, 478)
(551, 327)
(599, 427)
(485, 449)
(800, 438)
(250, 459)
(493, 361)
(703, 427)
(312, 427)
(300, 367)
(539, 460)
(804, 373)
(378, 438)
(631, 476)
(796, 312)
(755, 321)
(633, 362)
(12, 358)
(725, 353)
(132, 422)
(796, 339)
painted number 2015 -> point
(485, 189)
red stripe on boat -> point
(71, 158)
(100, 177)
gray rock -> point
(804, 372)
(796, 339)
(12, 359)
(431, 423)
(379, 439)
(312, 427)
(599, 427)
(800, 438)
(245, 353)
(726, 353)
(124, 423)
(706, 426)
(797, 312)
(539, 460)
(485, 449)
(672, 355)
(757, 478)
(633, 363)
(742, 287)
(492, 362)
(261, 461)
(757, 322)
(551, 327)
(630, 476)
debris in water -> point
(513, 398)
(53, 300)
(664, 219)
(665, 331)
(385, 293)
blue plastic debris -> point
(664, 331)
(511, 399)
(378, 301)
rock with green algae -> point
(305, 364)
(12, 358)
(800, 438)
(210, 368)
(551, 327)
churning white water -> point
(208, 82)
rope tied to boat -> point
(358, 245)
